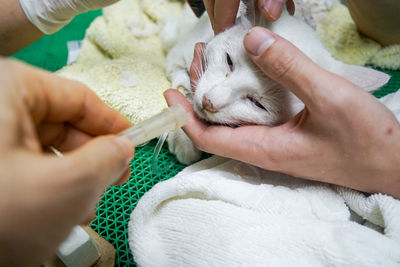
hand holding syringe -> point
(170, 119)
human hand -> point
(343, 136)
(51, 15)
(222, 13)
(42, 196)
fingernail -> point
(258, 40)
(127, 146)
(273, 8)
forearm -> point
(378, 20)
(16, 31)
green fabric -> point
(114, 209)
(51, 52)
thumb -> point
(286, 64)
(103, 159)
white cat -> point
(231, 89)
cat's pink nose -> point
(207, 105)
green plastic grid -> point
(392, 86)
(118, 202)
(51, 51)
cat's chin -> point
(202, 115)
(212, 118)
(237, 123)
(233, 124)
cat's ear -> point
(366, 78)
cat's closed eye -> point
(256, 103)
(229, 62)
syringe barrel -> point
(169, 120)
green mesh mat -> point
(117, 203)
(392, 86)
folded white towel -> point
(222, 212)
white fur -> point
(232, 94)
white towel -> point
(221, 212)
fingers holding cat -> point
(222, 13)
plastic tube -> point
(154, 166)
(169, 120)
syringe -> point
(168, 120)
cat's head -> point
(232, 90)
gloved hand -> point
(51, 15)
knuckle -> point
(199, 145)
(271, 159)
(327, 106)
(197, 142)
(278, 150)
(335, 105)
(200, 142)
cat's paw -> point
(183, 148)
(180, 80)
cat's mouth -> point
(209, 117)
(212, 118)
(201, 113)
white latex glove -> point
(51, 15)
